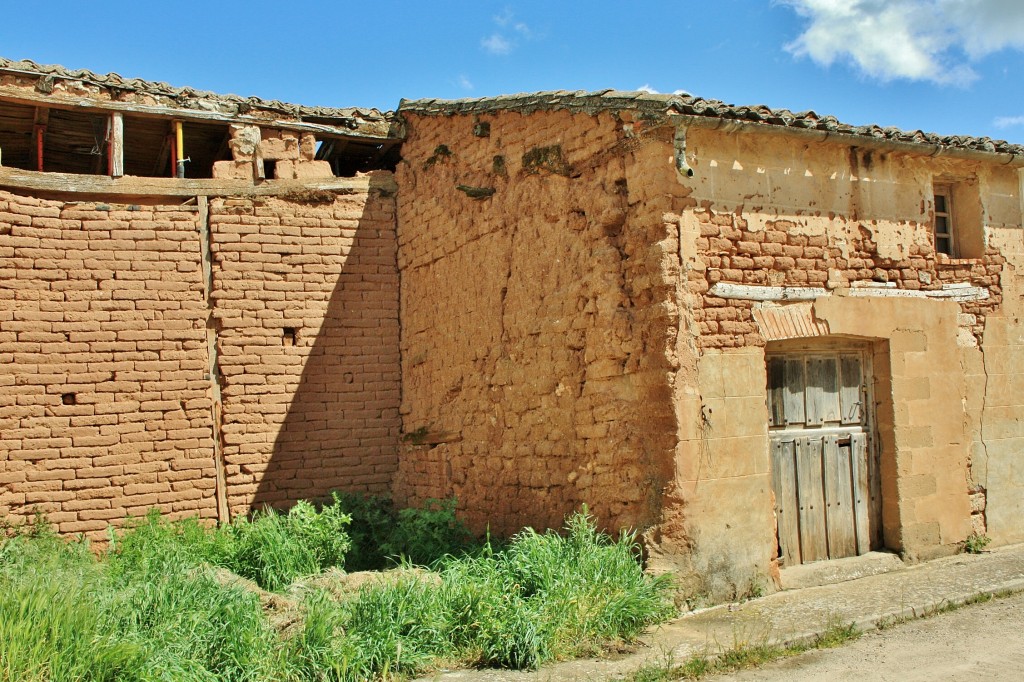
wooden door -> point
(824, 463)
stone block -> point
(279, 145)
(233, 170)
(307, 147)
(245, 140)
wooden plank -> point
(130, 186)
(829, 381)
(776, 391)
(755, 292)
(850, 401)
(793, 397)
(116, 154)
(813, 542)
(874, 456)
(814, 397)
(839, 516)
(41, 120)
(787, 510)
(861, 491)
(966, 294)
(373, 132)
(160, 166)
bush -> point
(382, 536)
(373, 519)
(426, 534)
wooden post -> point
(259, 169)
(116, 151)
(42, 118)
(179, 150)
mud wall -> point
(536, 321)
(105, 407)
(770, 211)
(305, 301)
(108, 322)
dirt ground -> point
(979, 642)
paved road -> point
(979, 642)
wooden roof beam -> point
(372, 131)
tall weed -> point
(51, 625)
(275, 549)
(155, 607)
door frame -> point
(832, 346)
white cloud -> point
(646, 87)
(503, 41)
(505, 18)
(496, 44)
(934, 40)
(1008, 121)
(465, 83)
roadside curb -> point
(798, 616)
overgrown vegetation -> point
(164, 603)
(382, 535)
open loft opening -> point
(348, 157)
(98, 142)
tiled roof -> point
(658, 106)
(186, 98)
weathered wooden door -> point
(823, 457)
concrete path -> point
(979, 643)
(793, 615)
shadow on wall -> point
(308, 346)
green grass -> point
(161, 602)
(740, 657)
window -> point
(943, 223)
(958, 218)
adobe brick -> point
(784, 263)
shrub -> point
(383, 536)
(422, 535)
(976, 544)
(373, 518)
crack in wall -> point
(206, 247)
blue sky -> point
(946, 66)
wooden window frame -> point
(944, 190)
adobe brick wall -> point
(775, 256)
(768, 211)
(781, 214)
(536, 323)
(315, 409)
(104, 405)
(106, 303)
